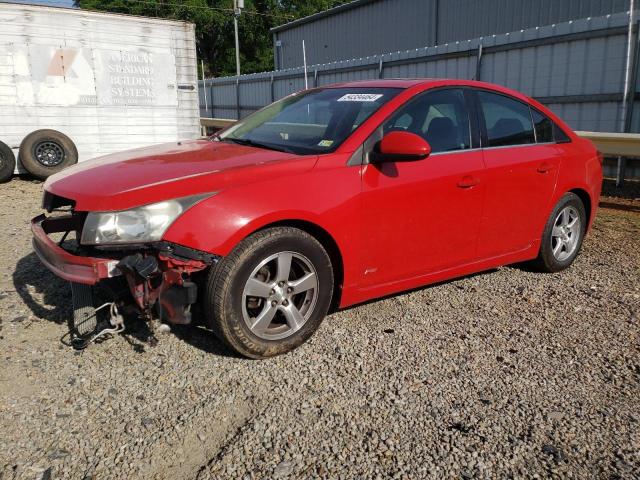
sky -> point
(55, 3)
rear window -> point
(559, 136)
(543, 126)
(508, 121)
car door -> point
(423, 216)
(521, 173)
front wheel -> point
(271, 293)
(563, 234)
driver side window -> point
(440, 117)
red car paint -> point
(398, 142)
(396, 226)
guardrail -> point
(615, 144)
(621, 145)
(625, 145)
(210, 125)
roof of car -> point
(412, 82)
(406, 83)
(384, 83)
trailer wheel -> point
(7, 162)
(45, 152)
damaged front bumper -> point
(158, 274)
(79, 269)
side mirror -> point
(401, 147)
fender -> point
(579, 172)
(328, 196)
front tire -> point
(270, 294)
(563, 234)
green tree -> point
(214, 26)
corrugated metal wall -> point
(576, 68)
(364, 28)
(461, 19)
(358, 32)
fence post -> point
(627, 96)
(204, 93)
(271, 89)
(211, 99)
(238, 98)
(315, 78)
(380, 68)
(628, 107)
(479, 62)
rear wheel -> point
(7, 162)
(563, 234)
(45, 152)
(271, 293)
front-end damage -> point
(157, 277)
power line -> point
(207, 7)
(65, 3)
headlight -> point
(139, 225)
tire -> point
(45, 152)
(7, 162)
(566, 243)
(231, 311)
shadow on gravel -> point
(525, 267)
(630, 189)
(31, 278)
(619, 206)
(199, 337)
(418, 289)
(49, 298)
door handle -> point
(544, 167)
(468, 181)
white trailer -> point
(77, 84)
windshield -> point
(311, 122)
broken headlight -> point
(138, 225)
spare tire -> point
(7, 162)
(45, 152)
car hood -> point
(152, 174)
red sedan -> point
(324, 199)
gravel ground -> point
(505, 374)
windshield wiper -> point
(251, 143)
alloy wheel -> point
(280, 295)
(565, 235)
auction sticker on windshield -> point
(360, 97)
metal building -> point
(371, 27)
(577, 68)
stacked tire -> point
(7, 162)
(42, 153)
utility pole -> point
(238, 5)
